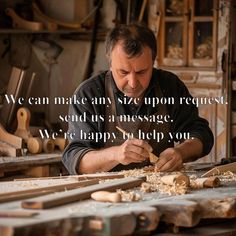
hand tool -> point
(152, 157)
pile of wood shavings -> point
(129, 196)
(154, 180)
(227, 176)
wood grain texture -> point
(80, 194)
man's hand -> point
(169, 160)
(133, 150)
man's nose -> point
(132, 80)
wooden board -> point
(80, 194)
(37, 191)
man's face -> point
(131, 75)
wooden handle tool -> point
(23, 121)
(152, 157)
(105, 196)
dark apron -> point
(134, 127)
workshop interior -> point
(47, 49)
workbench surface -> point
(89, 217)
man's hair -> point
(133, 38)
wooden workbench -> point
(147, 216)
(32, 165)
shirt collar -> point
(148, 91)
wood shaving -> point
(228, 176)
(129, 196)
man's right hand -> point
(133, 150)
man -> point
(129, 89)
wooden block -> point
(61, 143)
(35, 145)
(210, 182)
(18, 214)
(48, 145)
(180, 179)
(38, 171)
(80, 194)
(9, 150)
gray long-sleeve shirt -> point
(184, 117)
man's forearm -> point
(98, 161)
(190, 149)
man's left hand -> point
(169, 160)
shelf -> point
(60, 31)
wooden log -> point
(180, 179)
(210, 182)
(22, 194)
(80, 194)
(105, 196)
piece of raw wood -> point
(18, 214)
(19, 22)
(180, 179)
(58, 199)
(9, 150)
(106, 196)
(36, 10)
(22, 194)
(210, 182)
(10, 138)
(152, 157)
(220, 169)
(34, 145)
(51, 26)
(60, 143)
(23, 120)
(38, 171)
(48, 145)
(99, 176)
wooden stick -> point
(221, 169)
(10, 196)
(18, 214)
(80, 177)
(58, 199)
(152, 157)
